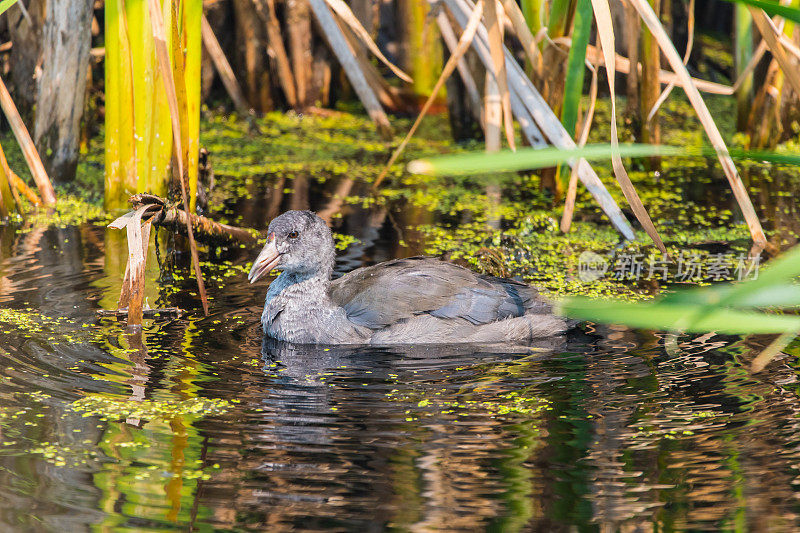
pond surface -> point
(196, 424)
(199, 424)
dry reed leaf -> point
(451, 41)
(341, 49)
(344, 12)
(17, 185)
(761, 49)
(739, 191)
(223, 68)
(21, 186)
(771, 37)
(788, 44)
(23, 137)
(623, 65)
(524, 35)
(132, 294)
(771, 351)
(777, 23)
(605, 32)
(538, 121)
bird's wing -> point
(384, 294)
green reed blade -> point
(530, 158)
(772, 8)
(573, 86)
(673, 317)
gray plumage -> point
(405, 301)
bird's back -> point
(421, 299)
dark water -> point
(201, 426)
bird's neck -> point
(319, 278)
(312, 286)
(316, 273)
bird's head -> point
(298, 242)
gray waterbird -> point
(417, 300)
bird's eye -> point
(293, 235)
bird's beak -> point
(266, 260)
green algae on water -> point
(433, 404)
(108, 408)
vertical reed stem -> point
(649, 84)
(743, 43)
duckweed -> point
(118, 409)
(510, 403)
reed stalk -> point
(743, 52)
(35, 165)
(560, 19)
(298, 20)
(192, 43)
(171, 72)
(605, 35)
(338, 43)
(559, 24)
(499, 79)
(6, 198)
(423, 55)
(266, 10)
(655, 28)
(456, 56)
(554, 59)
(536, 118)
(533, 10)
(119, 141)
(224, 69)
(649, 86)
(138, 139)
(770, 121)
(573, 82)
(10, 183)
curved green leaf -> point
(676, 317)
(530, 158)
(533, 158)
(772, 8)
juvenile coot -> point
(418, 300)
